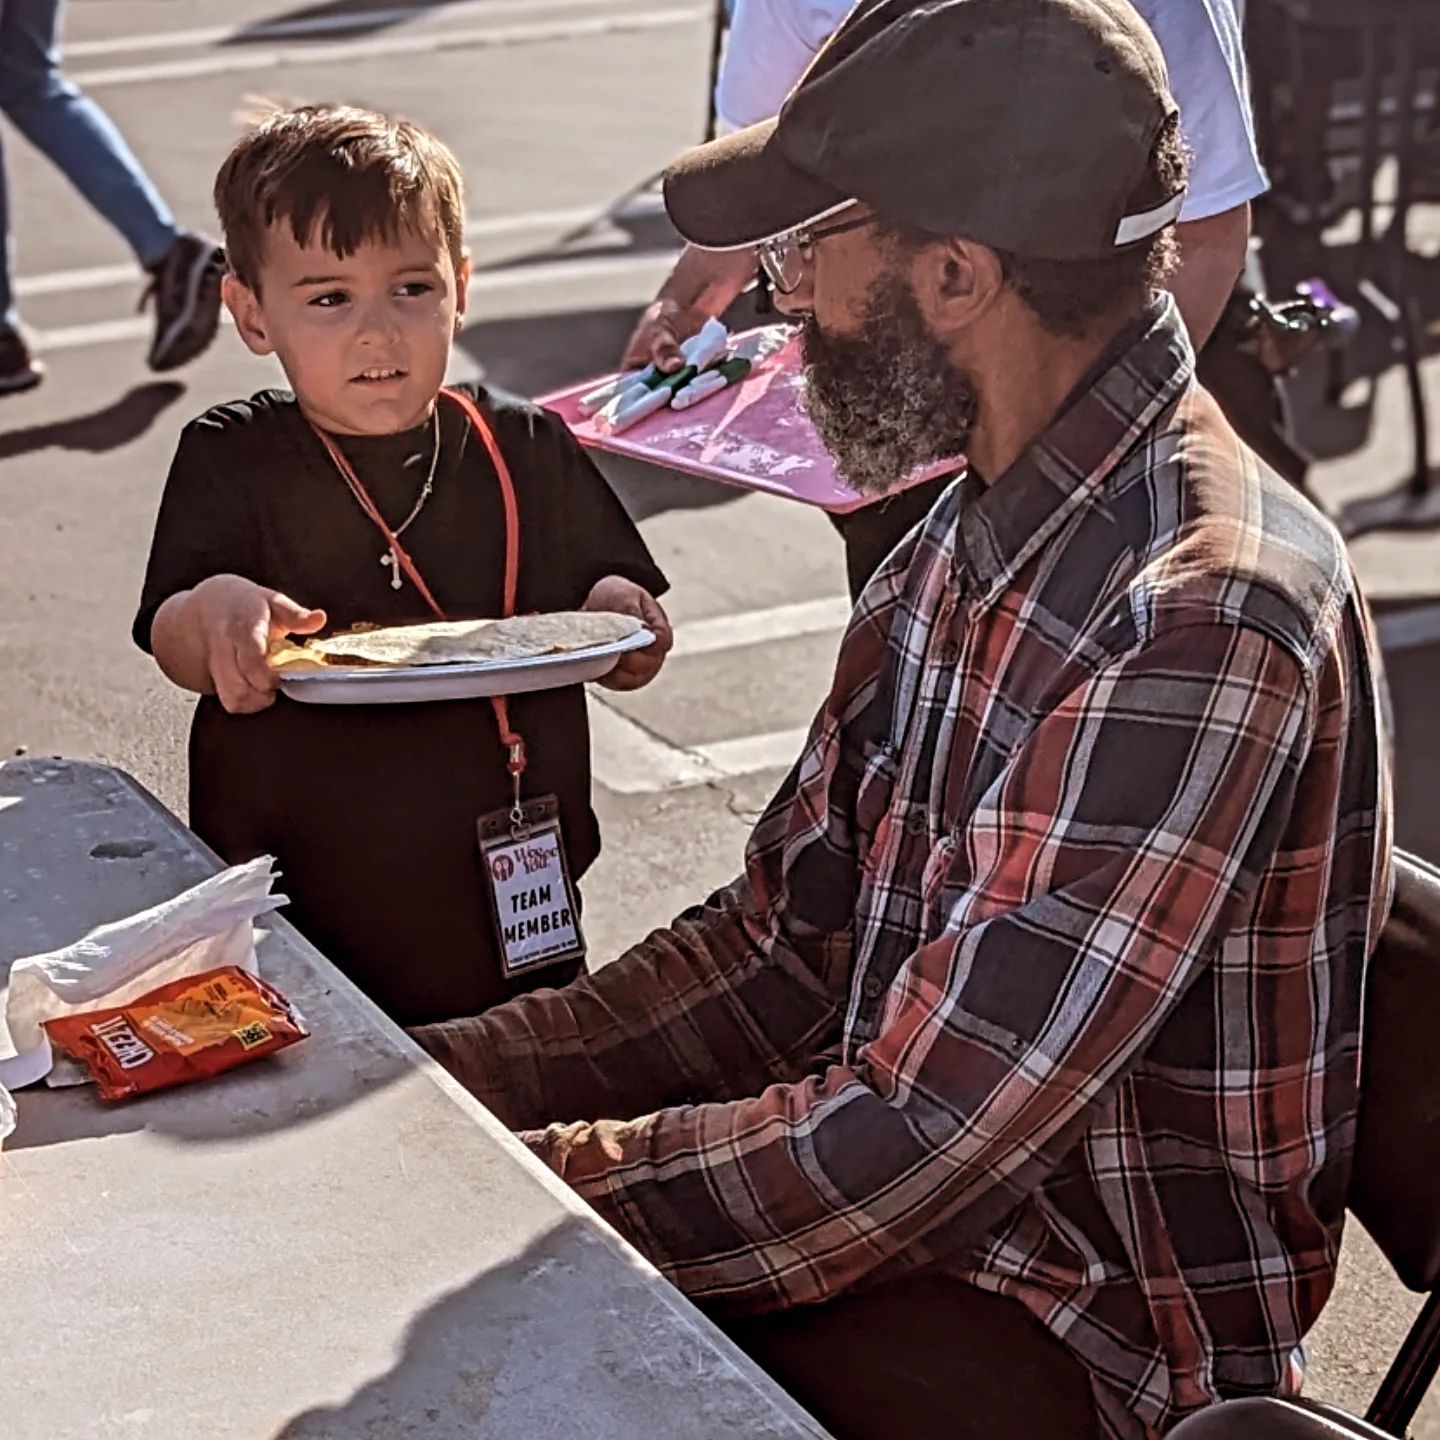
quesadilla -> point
(455, 642)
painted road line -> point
(484, 227)
(360, 21)
(647, 265)
(761, 627)
(750, 754)
(65, 282)
(354, 52)
(628, 760)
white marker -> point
(602, 395)
(638, 402)
(707, 345)
(712, 382)
(703, 386)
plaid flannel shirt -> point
(1046, 962)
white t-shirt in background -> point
(772, 41)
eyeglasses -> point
(784, 258)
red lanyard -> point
(509, 737)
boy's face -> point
(364, 340)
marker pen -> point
(598, 398)
(712, 382)
(625, 410)
(707, 345)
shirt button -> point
(950, 654)
(872, 988)
(915, 824)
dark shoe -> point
(19, 370)
(185, 285)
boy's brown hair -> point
(355, 174)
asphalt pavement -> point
(561, 112)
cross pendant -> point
(391, 559)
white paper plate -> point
(410, 684)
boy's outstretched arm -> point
(624, 597)
(213, 639)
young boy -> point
(344, 230)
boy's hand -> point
(625, 597)
(235, 620)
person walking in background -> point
(75, 134)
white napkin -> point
(208, 926)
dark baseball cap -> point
(1027, 125)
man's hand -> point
(656, 341)
(625, 597)
(234, 621)
(703, 283)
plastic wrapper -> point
(189, 1029)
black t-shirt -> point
(371, 810)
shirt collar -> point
(1150, 363)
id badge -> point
(532, 899)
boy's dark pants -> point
(925, 1358)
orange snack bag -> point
(190, 1029)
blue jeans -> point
(77, 137)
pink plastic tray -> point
(754, 435)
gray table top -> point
(337, 1241)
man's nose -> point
(800, 301)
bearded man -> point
(1011, 1088)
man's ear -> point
(956, 282)
(244, 307)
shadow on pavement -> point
(341, 17)
(117, 424)
(1325, 429)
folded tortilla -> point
(455, 642)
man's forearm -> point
(1212, 255)
(708, 281)
(700, 1011)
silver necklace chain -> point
(429, 484)
(391, 557)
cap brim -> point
(740, 190)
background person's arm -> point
(1212, 255)
(1205, 56)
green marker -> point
(712, 382)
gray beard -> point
(888, 400)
